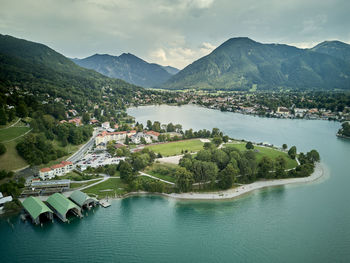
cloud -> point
(174, 32)
(180, 56)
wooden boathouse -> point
(37, 210)
(61, 206)
(82, 199)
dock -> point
(105, 203)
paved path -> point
(11, 125)
(156, 178)
(18, 136)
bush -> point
(2, 148)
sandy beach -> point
(244, 189)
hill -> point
(336, 49)
(243, 64)
(129, 68)
(40, 69)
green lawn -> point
(11, 133)
(116, 186)
(11, 160)
(162, 171)
(78, 185)
(266, 151)
(175, 148)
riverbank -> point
(244, 189)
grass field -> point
(11, 159)
(77, 185)
(175, 148)
(266, 151)
(115, 185)
(162, 171)
(11, 133)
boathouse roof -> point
(81, 198)
(61, 203)
(35, 207)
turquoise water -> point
(303, 223)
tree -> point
(184, 179)
(149, 125)
(284, 146)
(22, 110)
(143, 140)
(227, 177)
(3, 117)
(204, 155)
(313, 156)
(292, 152)
(265, 167)
(2, 148)
(170, 127)
(205, 171)
(280, 165)
(86, 118)
(249, 146)
(125, 170)
(217, 140)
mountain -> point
(336, 49)
(171, 70)
(43, 70)
(243, 64)
(127, 67)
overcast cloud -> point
(171, 32)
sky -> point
(171, 32)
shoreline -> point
(318, 173)
(232, 193)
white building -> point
(105, 125)
(56, 170)
(105, 137)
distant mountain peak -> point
(241, 63)
(127, 67)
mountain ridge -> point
(244, 64)
(128, 67)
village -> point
(258, 104)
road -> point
(83, 149)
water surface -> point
(303, 223)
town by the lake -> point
(181, 131)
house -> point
(105, 137)
(56, 170)
(282, 110)
(299, 112)
(136, 138)
(4, 200)
(105, 125)
(93, 121)
(73, 112)
(76, 121)
(154, 135)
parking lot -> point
(97, 159)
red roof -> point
(104, 133)
(153, 133)
(66, 163)
(57, 166)
(46, 169)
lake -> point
(296, 223)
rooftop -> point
(61, 203)
(35, 207)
